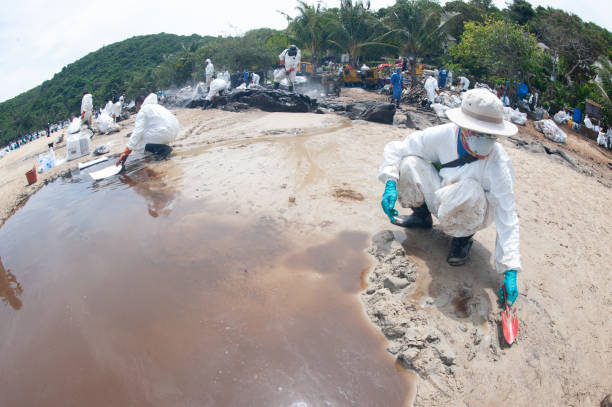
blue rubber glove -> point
(511, 289)
(388, 199)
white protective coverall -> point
(464, 198)
(228, 79)
(210, 72)
(108, 109)
(464, 82)
(449, 80)
(87, 106)
(154, 125)
(256, 79)
(601, 139)
(291, 63)
(150, 99)
(431, 86)
(216, 86)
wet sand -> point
(154, 300)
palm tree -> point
(308, 29)
(603, 83)
(355, 28)
(418, 27)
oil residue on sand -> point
(160, 303)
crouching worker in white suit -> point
(154, 129)
(289, 59)
(217, 87)
(472, 187)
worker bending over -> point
(473, 186)
(217, 86)
(154, 129)
(290, 60)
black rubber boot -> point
(290, 88)
(420, 218)
(276, 85)
(460, 250)
(206, 104)
(159, 150)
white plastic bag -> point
(105, 124)
(47, 160)
(551, 130)
(462, 208)
(561, 117)
(440, 109)
(515, 116)
(77, 146)
(75, 126)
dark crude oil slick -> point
(124, 293)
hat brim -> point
(505, 128)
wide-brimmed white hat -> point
(482, 112)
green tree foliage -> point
(498, 49)
(576, 44)
(520, 12)
(309, 30)
(356, 28)
(418, 27)
(603, 86)
(112, 67)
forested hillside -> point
(111, 67)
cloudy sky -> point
(39, 37)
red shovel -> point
(509, 321)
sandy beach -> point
(316, 173)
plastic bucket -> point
(31, 176)
(577, 115)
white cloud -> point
(39, 37)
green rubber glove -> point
(388, 199)
(511, 288)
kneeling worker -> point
(473, 186)
(154, 129)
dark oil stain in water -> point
(118, 306)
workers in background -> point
(154, 129)
(431, 87)
(464, 83)
(473, 186)
(290, 60)
(210, 72)
(87, 108)
(397, 81)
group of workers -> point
(289, 62)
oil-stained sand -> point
(180, 307)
